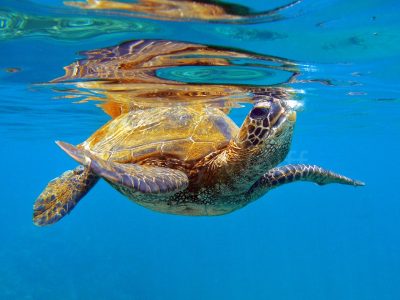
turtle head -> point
(267, 131)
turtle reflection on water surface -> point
(184, 10)
(186, 160)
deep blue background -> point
(301, 241)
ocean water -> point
(300, 241)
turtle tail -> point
(62, 194)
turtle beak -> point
(292, 116)
(292, 106)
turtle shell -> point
(187, 133)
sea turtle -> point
(186, 160)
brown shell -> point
(184, 132)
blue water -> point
(300, 241)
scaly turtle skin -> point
(184, 160)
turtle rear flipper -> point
(131, 177)
(62, 194)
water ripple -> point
(15, 24)
(143, 73)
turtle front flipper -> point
(133, 178)
(62, 194)
(290, 173)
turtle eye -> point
(259, 113)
